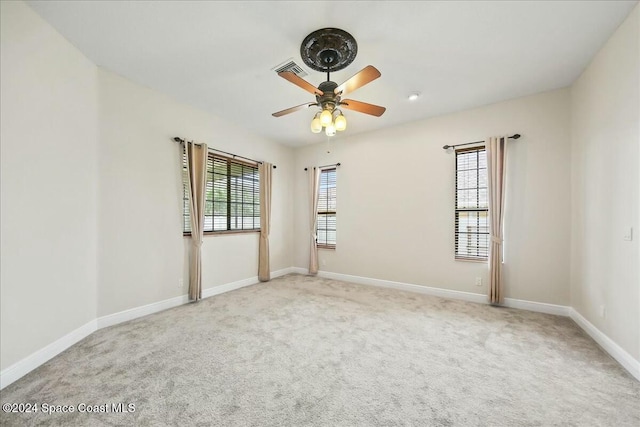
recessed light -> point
(414, 96)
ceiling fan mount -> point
(328, 49)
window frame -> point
(457, 211)
(327, 212)
(211, 156)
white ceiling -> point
(219, 56)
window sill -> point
(217, 233)
(476, 260)
(326, 246)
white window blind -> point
(326, 228)
(471, 205)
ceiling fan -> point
(328, 50)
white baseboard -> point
(227, 287)
(625, 359)
(31, 362)
(426, 290)
(134, 313)
(299, 270)
(540, 307)
(560, 310)
(26, 365)
(282, 272)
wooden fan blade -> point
(298, 81)
(292, 110)
(361, 78)
(362, 107)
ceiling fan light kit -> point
(325, 120)
(327, 50)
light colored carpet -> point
(305, 351)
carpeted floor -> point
(306, 351)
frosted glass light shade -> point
(326, 118)
(316, 126)
(341, 123)
(330, 130)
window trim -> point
(230, 159)
(456, 233)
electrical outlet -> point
(628, 235)
(180, 283)
(324, 262)
(478, 281)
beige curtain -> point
(314, 188)
(264, 270)
(496, 174)
(196, 168)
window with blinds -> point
(471, 205)
(232, 196)
(326, 228)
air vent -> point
(290, 65)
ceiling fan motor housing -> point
(329, 100)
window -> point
(232, 196)
(326, 229)
(472, 209)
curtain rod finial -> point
(446, 147)
(516, 136)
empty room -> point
(322, 213)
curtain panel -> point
(264, 268)
(496, 148)
(314, 188)
(196, 155)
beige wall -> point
(142, 254)
(395, 200)
(606, 187)
(48, 134)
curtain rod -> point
(178, 139)
(516, 136)
(325, 166)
